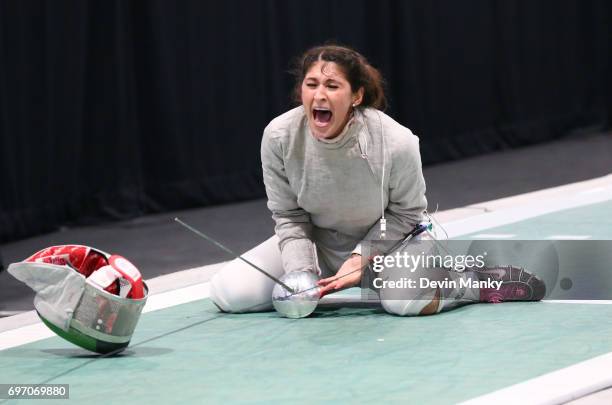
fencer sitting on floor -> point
(338, 172)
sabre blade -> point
(222, 247)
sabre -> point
(220, 246)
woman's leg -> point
(421, 290)
(425, 299)
(238, 287)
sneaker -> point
(517, 285)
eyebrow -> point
(328, 79)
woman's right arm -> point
(293, 226)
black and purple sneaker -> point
(516, 284)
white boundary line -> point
(556, 387)
(532, 208)
(177, 297)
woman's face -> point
(327, 98)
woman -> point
(341, 178)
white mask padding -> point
(58, 289)
(105, 276)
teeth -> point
(321, 109)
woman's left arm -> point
(407, 200)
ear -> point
(358, 97)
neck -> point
(337, 138)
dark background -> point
(114, 109)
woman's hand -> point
(348, 276)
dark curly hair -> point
(357, 70)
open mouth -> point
(322, 116)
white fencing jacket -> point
(331, 194)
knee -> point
(403, 307)
(217, 294)
(426, 304)
(237, 297)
